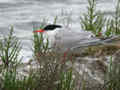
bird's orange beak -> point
(41, 30)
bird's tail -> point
(109, 41)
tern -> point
(67, 38)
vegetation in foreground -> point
(51, 72)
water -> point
(22, 14)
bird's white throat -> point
(50, 35)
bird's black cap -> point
(51, 27)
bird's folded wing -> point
(115, 40)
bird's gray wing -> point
(109, 41)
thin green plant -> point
(113, 24)
(93, 20)
(112, 79)
(66, 81)
(9, 52)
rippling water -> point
(22, 13)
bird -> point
(66, 38)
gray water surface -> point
(23, 13)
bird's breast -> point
(50, 35)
